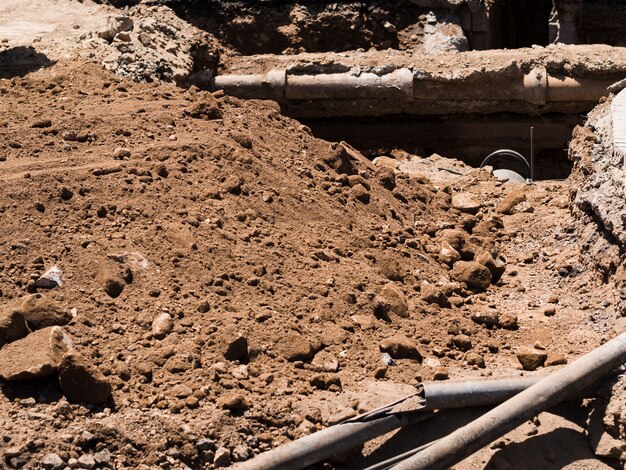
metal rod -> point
(321, 445)
(546, 393)
(532, 153)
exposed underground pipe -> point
(321, 445)
(403, 85)
(546, 393)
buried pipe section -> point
(405, 85)
(549, 391)
(340, 438)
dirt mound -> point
(211, 247)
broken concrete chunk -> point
(52, 278)
(35, 356)
(82, 382)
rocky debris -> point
(35, 356)
(52, 278)
(530, 358)
(400, 347)
(473, 274)
(360, 193)
(555, 359)
(461, 342)
(162, 325)
(459, 241)
(41, 312)
(208, 109)
(111, 281)
(433, 294)
(233, 402)
(466, 202)
(510, 203)
(236, 349)
(12, 326)
(448, 255)
(475, 359)
(53, 461)
(295, 347)
(82, 382)
(494, 262)
(222, 457)
(391, 300)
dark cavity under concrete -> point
(467, 137)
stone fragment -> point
(474, 359)
(12, 326)
(86, 461)
(386, 177)
(441, 373)
(392, 300)
(448, 255)
(400, 347)
(35, 356)
(162, 325)
(52, 278)
(508, 321)
(121, 153)
(103, 457)
(207, 110)
(236, 348)
(458, 240)
(555, 359)
(295, 347)
(461, 342)
(82, 382)
(232, 401)
(222, 457)
(466, 202)
(232, 184)
(52, 461)
(391, 268)
(494, 262)
(530, 358)
(433, 294)
(360, 193)
(41, 124)
(472, 273)
(112, 283)
(549, 311)
(507, 205)
(40, 312)
(486, 317)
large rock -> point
(40, 312)
(392, 300)
(509, 203)
(82, 382)
(400, 347)
(494, 262)
(466, 202)
(35, 356)
(433, 294)
(472, 273)
(12, 327)
(296, 347)
(530, 358)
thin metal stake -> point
(532, 153)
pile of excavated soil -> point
(233, 282)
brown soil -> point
(246, 225)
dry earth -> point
(230, 282)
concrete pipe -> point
(536, 87)
(397, 85)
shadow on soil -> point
(19, 61)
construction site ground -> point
(240, 283)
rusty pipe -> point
(546, 393)
(321, 445)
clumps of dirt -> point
(222, 269)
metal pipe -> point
(321, 445)
(546, 393)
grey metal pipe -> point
(546, 393)
(321, 445)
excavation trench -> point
(466, 137)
